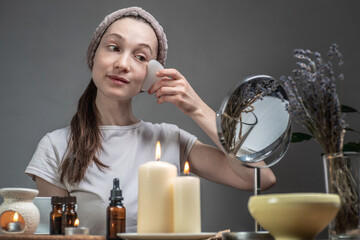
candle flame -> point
(158, 151)
(76, 223)
(16, 217)
(186, 168)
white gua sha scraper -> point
(150, 78)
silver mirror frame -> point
(275, 149)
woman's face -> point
(120, 60)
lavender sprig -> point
(313, 101)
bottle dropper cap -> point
(116, 193)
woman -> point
(105, 139)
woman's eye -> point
(113, 48)
(141, 58)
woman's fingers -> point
(169, 72)
(167, 90)
(169, 77)
(174, 88)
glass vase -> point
(342, 178)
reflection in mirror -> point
(253, 124)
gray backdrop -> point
(213, 43)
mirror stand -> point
(262, 135)
(257, 191)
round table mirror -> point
(253, 124)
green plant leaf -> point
(348, 109)
(299, 137)
(351, 147)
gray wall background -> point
(214, 44)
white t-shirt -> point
(125, 148)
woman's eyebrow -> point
(114, 35)
(121, 38)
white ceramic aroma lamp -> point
(298, 216)
(18, 214)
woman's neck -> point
(115, 113)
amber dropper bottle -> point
(115, 212)
(69, 215)
(56, 215)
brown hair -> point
(85, 139)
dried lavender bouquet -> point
(240, 102)
(314, 103)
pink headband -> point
(125, 12)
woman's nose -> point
(123, 62)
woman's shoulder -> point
(58, 136)
(59, 133)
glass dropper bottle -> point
(115, 212)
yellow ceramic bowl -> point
(294, 215)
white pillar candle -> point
(155, 197)
(187, 212)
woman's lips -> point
(117, 79)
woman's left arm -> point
(206, 161)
